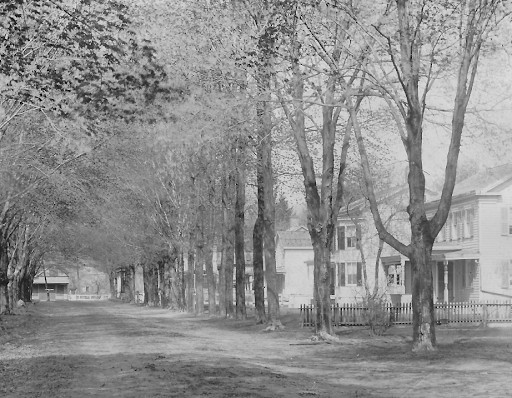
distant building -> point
(52, 284)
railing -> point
(88, 297)
(469, 312)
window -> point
(347, 237)
(506, 220)
(506, 270)
(396, 275)
(469, 216)
(351, 236)
(456, 225)
(467, 274)
(341, 238)
(341, 274)
(349, 274)
(248, 282)
(448, 227)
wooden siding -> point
(494, 248)
(475, 286)
(298, 271)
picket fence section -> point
(469, 312)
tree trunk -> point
(182, 281)
(222, 274)
(112, 283)
(210, 280)
(229, 255)
(209, 253)
(240, 228)
(228, 242)
(377, 267)
(424, 336)
(322, 285)
(199, 264)
(198, 274)
(190, 285)
(269, 243)
(257, 264)
(131, 269)
(264, 115)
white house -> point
(294, 266)
(471, 259)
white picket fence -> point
(468, 312)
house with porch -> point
(472, 255)
(471, 258)
(50, 285)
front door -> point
(440, 282)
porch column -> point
(445, 263)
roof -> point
(396, 195)
(485, 181)
(295, 238)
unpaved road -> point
(112, 349)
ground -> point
(112, 349)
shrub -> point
(376, 315)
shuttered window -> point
(341, 274)
(468, 223)
(341, 238)
(350, 274)
(359, 274)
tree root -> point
(325, 337)
(274, 326)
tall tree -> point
(241, 156)
(323, 72)
(424, 40)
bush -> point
(376, 315)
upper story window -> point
(469, 217)
(459, 225)
(346, 237)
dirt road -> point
(118, 350)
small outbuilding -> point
(56, 283)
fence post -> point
(484, 314)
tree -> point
(65, 71)
(323, 70)
(423, 41)
(241, 158)
(283, 214)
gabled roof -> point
(490, 180)
(393, 195)
(294, 238)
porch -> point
(455, 277)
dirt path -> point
(117, 350)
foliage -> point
(75, 59)
(376, 315)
